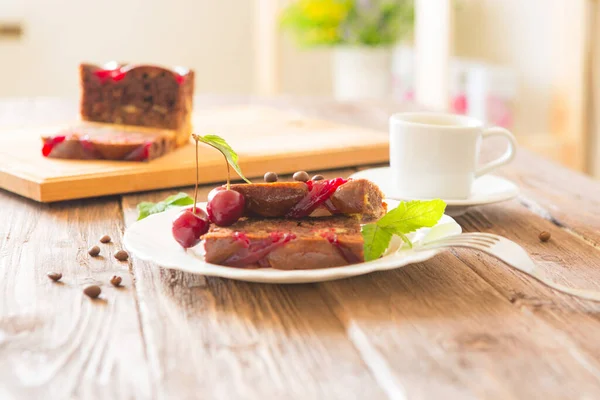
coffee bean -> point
(105, 239)
(545, 236)
(271, 177)
(94, 251)
(317, 178)
(121, 255)
(55, 276)
(301, 176)
(116, 280)
(92, 291)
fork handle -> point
(581, 293)
(534, 273)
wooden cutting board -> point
(266, 139)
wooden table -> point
(461, 325)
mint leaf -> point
(412, 215)
(147, 208)
(220, 144)
(376, 241)
(144, 209)
(179, 199)
(404, 219)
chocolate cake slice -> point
(88, 140)
(286, 243)
(313, 198)
(141, 95)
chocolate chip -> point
(545, 236)
(92, 291)
(121, 255)
(301, 176)
(105, 239)
(116, 280)
(271, 177)
(55, 276)
(94, 251)
(317, 178)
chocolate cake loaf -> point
(95, 141)
(141, 95)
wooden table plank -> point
(567, 198)
(446, 333)
(54, 341)
(239, 339)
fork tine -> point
(461, 239)
(467, 237)
(484, 248)
(483, 234)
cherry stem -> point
(228, 172)
(197, 178)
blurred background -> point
(531, 66)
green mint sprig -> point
(402, 220)
(147, 208)
(230, 155)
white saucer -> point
(486, 190)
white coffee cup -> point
(435, 155)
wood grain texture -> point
(54, 341)
(567, 198)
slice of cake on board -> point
(140, 112)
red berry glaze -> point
(255, 252)
(319, 193)
(188, 227)
(49, 144)
(225, 207)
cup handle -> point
(505, 158)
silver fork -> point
(509, 252)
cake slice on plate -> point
(283, 243)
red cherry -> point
(225, 207)
(216, 190)
(188, 227)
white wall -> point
(211, 36)
(518, 34)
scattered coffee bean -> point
(317, 178)
(105, 239)
(545, 236)
(301, 176)
(271, 177)
(121, 255)
(94, 251)
(92, 291)
(55, 276)
(116, 280)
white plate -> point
(486, 190)
(150, 239)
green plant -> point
(348, 22)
